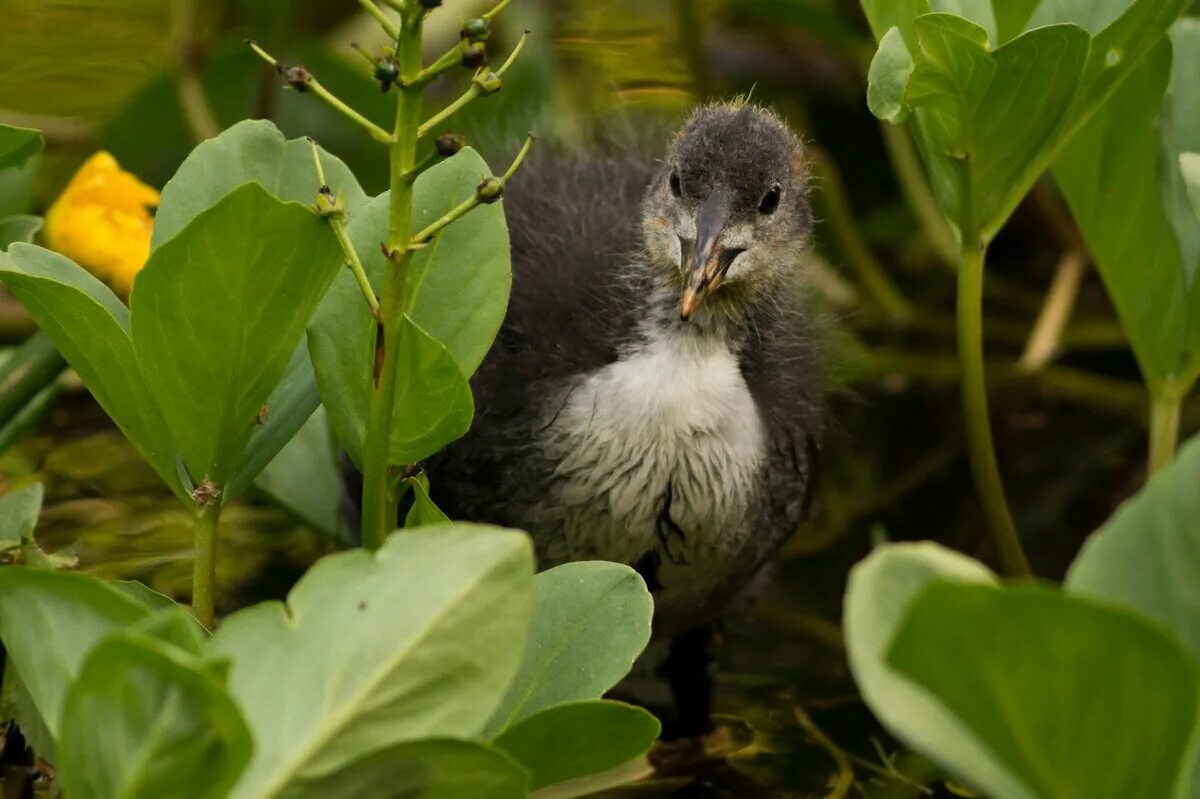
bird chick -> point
(655, 394)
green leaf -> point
(1110, 177)
(590, 622)
(458, 285)
(20, 228)
(887, 79)
(878, 595)
(90, 327)
(430, 769)
(458, 289)
(216, 316)
(369, 651)
(174, 626)
(1180, 128)
(17, 145)
(49, 621)
(250, 151)
(1147, 556)
(144, 721)
(984, 134)
(1189, 167)
(18, 515)
(423, 511)
(288, 409)
(304, 476)
(577, 739)
(1056, 688)
(433, 404)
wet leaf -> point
(216, 317)
(368, 652)
(250, 151)
(18, 145)
(49, 621)
(90, 327)
(441, 768)
(878, 595)
(578, 739)
(1110, 178)
(591, 621)
(1043, 680)
(145, 721)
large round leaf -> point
(590, 622)
(146, 721)
(458, 285)
(419, 639)
(252, 151)
(49, 621)
(577, 739)
(439, 768)
(1070, 697)
(216, 316)
(878, 595)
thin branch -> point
(197, 112)
(389, 27)
(1046, 336)
(302, 80)
(478, 198)
(337, 220)
(496, 9)
(443, 63)
(481, 85)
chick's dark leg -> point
(690, 670)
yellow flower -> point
(102, 221)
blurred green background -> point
(617, 76)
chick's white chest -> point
(663, 451)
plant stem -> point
(475, 200)
(304, 81)
(204, 570)
(906, 165)
(28, 370)
(855, 249)
(375, 11)
(1046, 337)
(475, 90)
(1165, 404)
(975, 407)
(197, 113)
(378, 500)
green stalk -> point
(204, 570)
(378, 501)
(27, 372)
(1165, 405)
(975, 408)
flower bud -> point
(297, 77)
(490, 190)
(330, 205)
(474, 56)
(475, 30)
(489, 83)
(387, 73)
(448, 144)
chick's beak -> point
(703, 270)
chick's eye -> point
(770, 201)
(676, 188)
